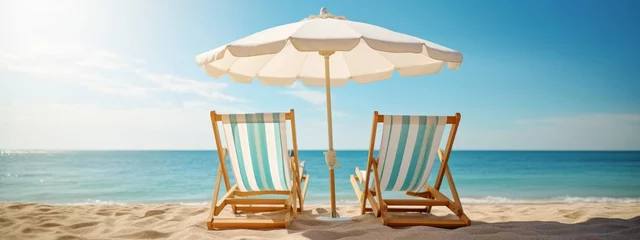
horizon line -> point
(478, 150)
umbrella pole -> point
(330, 154)
(327, 85)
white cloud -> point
(194, 104)
(175, 113)
(85, 126)
(334, 113)
(299, 91)
(104, 60)
(10, 56)
(107, 72)
(317, 98)
(211, 90)
(41, 70)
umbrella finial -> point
(324, 14)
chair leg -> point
(362, 196)
(214, 200)
(303, 193)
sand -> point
(169, 221)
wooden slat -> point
(221, 151)
(214, 200)
(304, 191)
(256, 193)
(227, 195)
(447, 153)
(450, 119)
(400, 210)
(245, 222)
(372, 192)
(439, 196)
(406, 209)
(359, 177)
(376, 184)
(254, 201)
(223, 202)
(296, 164)
(374, 206)
(218, 117)
(370, 161)
(452, 186)
(257, 209)
(419, 194)
(425, 222)
(356, 188)
(435, 193)
(466, 219)
(290, 203)
(412, 202)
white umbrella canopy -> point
(326, 50)
(366, 53)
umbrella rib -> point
(397, 69)
(385, 58)
(257, 72)
(349, 76)
(302, 67)
(362, 39)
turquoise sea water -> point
(188, 177)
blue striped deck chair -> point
(408, 149)
(256, 146)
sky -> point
(536, 75)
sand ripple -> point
(171, 221)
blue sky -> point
(121, 74)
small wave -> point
(566, 199)
(464, 200)
(9, 153)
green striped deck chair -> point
(256, 147)
(408, 150)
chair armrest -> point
(300, 163)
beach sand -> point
(172, 221)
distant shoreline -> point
(339, 150)
(342, 202)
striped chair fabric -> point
(257, 149)
(408, 150)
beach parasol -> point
(326, 50)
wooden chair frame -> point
(431, 194)
(240, 204)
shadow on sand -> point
(368, 227)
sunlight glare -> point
(33, 22)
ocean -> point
(188, 177)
